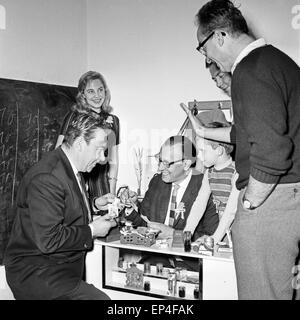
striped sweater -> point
(220, 182)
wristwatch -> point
(247, 204)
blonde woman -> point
(93, 98)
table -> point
(217, 278)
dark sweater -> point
(266, 105)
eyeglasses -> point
(166, 164)
(200, 46)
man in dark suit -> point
(52, 230)
(177, 159)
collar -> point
(71, 163)
(250, 47)
(184, 182)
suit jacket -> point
(156, 201)
(50, 235)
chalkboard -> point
(30, 118)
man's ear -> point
(220, 37)
(187, 164)
(221, 150)
(78, 143)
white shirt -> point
(182, 187)
(253, 45)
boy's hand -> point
(207, 241)
(201, 239)
(166, 231)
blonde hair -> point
(82, 106)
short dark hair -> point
(188, 148)
(221, 14)
(83, 125)
(227, 146)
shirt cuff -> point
(95, 209)
(92, 229)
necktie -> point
(173, 204)
(83, 191)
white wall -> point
(275, 21)
(146, 51)
(44, 41)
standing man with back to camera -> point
(53, 230)
(265, 93)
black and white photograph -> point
(150, 153)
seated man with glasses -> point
(176, 186)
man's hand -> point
(186, 109)
(104, 200)
(257, 192)
(166, 231)
(102, 225)
(196, 123)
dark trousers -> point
(55, 282)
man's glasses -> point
(166, 164)
(201, 45)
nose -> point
(161, 166)
(202, 51)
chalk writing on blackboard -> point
(30, 118)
